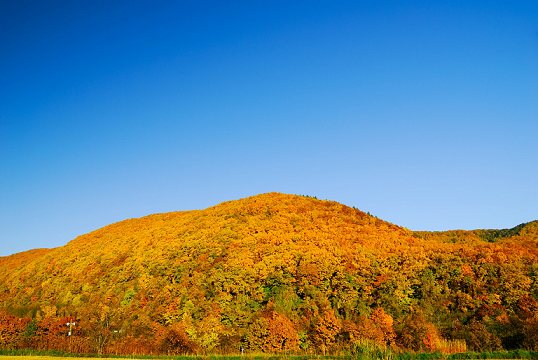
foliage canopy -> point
(276, 273)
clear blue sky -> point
(424, 113)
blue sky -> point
(424, 113)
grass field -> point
(21, 357)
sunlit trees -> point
(273, 273)
(102, 319)
(12, 330)
(326, 327)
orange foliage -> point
(281, 334)
(378, 329)
(418, 334)
(270, 272)
(384, 323)
(175, 340)
(11, 330)
(326, 329)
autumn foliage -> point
(273, 273)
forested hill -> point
(522, 233)
(275, 272)
(260, 235)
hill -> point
(274, 272)
(525, 231)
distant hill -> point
(276, 272)
(525, 231)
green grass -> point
(511, 354)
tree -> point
(281, 334)
(273, 332)
(326, 328)
(174, 340)
(12, 330)
(417, 333)
(101, 322)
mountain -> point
(276, 272)
(522, 232)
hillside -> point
(275, 272)
(525, 231)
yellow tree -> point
(326, 329)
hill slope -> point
(235, 273)
(261, 234)
(525, 231)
